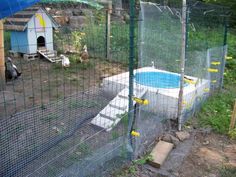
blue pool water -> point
(158, 79)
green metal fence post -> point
(131, 75)
(222, 69)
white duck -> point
(65, 61)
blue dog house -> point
(31, 30)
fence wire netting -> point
(75, 119)
(162, 27)
(51, 123)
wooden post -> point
(2, 58)
(233, 117)
(182, 64)
(108, 29)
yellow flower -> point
(83, 34)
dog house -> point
(30, 30)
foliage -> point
(227, 3)
(50, 117)
(77, 38)
(143, 160)
(232, 133)
(227, 172)
(216, 111)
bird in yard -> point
(65, 61)
(11, 71)
(84, 56)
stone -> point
(212, 175)
(206, 143)
(87, 12)
(68, 13)
(77, 21)
(57, 130)
(182, 135)
(48, 9)
(171, 139)
(77, 12)
(62, 20)
(59, 12)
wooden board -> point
(160, 153)
(2, 58)
(233, 117)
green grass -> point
(228, 172)
(216, 111)
(50, 117)
(83, 104)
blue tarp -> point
(9, 7)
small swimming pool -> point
(158, 79)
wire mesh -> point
(160, 50)
(60, 119)
(51, 123)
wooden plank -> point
(233, 117)
(14, 27)
(182, 64)
(160, 153)
(26, 13)
(18, 19)
(2, 58)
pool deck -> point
(163, 101)
(121, 81)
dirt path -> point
(205, 154)
(209, 155)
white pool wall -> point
(162, 101)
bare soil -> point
(209, 155)
(43, 82)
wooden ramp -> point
(49, 55)
(113, 112)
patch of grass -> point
(50, 117)
(232, 133)
(84, 149)
(114, 135)
(84, 66)
(128, 171)
(124, 119)
(216, 112)
(52, 171)
(143, 160)
(81, 104)
(228, 172)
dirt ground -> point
(43, 82)
(210, 154)
(206, 154)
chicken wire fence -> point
(75, 119)
(176, 83)
(50, 123)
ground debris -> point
(182, 135)
(170, 138)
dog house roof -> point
(19, 21)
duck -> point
(11, 70)
(84, 56)
(65, 61)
